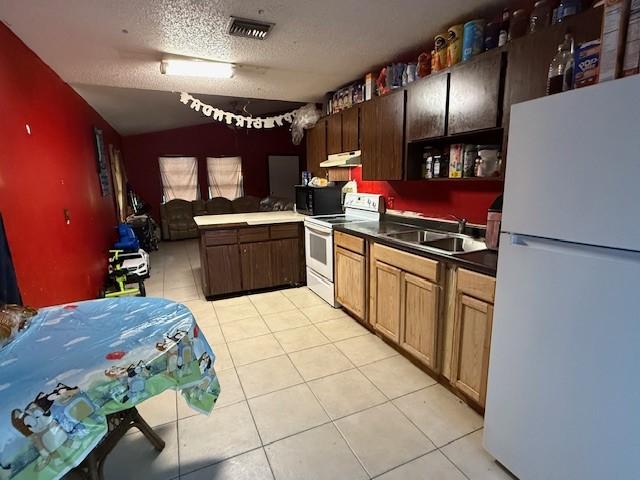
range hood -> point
(347, 159)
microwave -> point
(319, 200)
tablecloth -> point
(79, 362)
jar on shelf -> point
(540, 16)
(519, 24)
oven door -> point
(319, 249)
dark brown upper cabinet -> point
(475, 93)
(382, 137)
(343, 131)
(334, 134)
(316, 146)
(427, 107)
(351, 129)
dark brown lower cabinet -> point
(284, 267)
(251, 258)
(256, 265)
(224, 271)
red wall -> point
(468, 200)
(141, 154)
(43, 173)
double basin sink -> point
(440, 242)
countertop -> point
(255, 218)
(484, 261)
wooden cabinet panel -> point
(317, 147)
(476, 285)
(253, 234)
(382, 137)
(386, 307)
(223, 266)
(475, 94)
(351, 129)
(287, 230)
(471, 343)
(420, 266)
(256, 265)
(285, 264)
(220, 237)
(427, 107)
(349, 242)
(350, 281)
(334, 134)
(419, 326)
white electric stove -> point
(359, 207)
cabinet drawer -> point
(423, 267)
(476, 285)
(253, 234)
(220, 237)
(288, 230)
(349, 242)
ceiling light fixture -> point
(196, 68)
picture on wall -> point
(103, 166)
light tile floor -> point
(307, 393)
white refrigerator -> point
(563, 398)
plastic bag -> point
(306, 117)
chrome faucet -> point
(462, 223)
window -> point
(179, 178)
(225, 177)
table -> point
(78, 365)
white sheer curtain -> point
(225, 177)
(179, 178)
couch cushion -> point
(246, 204)
(219, 206)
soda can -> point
(473, 39)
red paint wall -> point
(43, 173)
(468, 200)
(141, 154)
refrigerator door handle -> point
(559, 246)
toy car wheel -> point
(102, 293)
(143, 292)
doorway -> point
(284, 175)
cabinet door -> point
(471, 342)
(387, 299)
(475, 93)
(256, 265)
(285, 261)
(223, 265)
(350, 281)
(351, 129)
(419, 327)
(316, 147)
(334, 134)
(382, 146)
(427, 107)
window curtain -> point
(225, 177)
(179, 178)
(119, 182)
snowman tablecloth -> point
(80, 362)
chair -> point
(246, 204)
(218, 206)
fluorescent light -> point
(196, 68)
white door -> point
(284, 175)
(573, 166)
(563, 398)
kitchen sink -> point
(446, 242)
(457, 244)
(421, 237)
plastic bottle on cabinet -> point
(556, 79)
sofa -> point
(177, 215)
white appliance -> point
(563, 398)
(359, 207)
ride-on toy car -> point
(125, 269)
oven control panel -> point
(364, 201)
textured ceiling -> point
(315, 46)
(132, 111)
